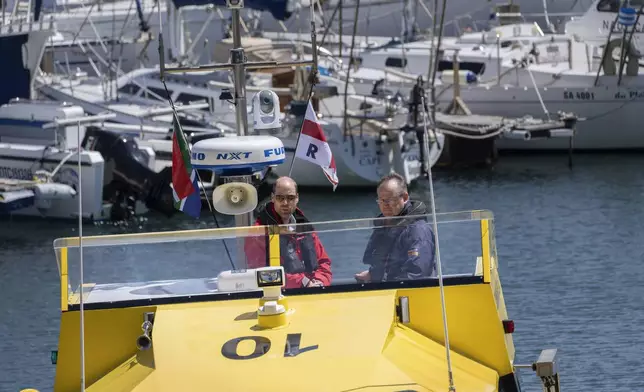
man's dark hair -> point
(275, 185)
(401, 184)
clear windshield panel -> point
(151, 265)
(191, 263)
(383, 249)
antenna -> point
(80, 255)
(438, 252)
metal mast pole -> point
(237, 59)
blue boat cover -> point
(14, 77)
(277, 8)
(37, 10)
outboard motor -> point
(128, 177)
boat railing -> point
(176, 264)
(22, 18)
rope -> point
(474, 137)
(346, 83)
(438, 253)
(313, 78)
(434, 65)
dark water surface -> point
(570, 246)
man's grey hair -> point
(399, 180)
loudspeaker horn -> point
(234, 198)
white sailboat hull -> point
(360, 165)
(612, 114)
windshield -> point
(342, 255)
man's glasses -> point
(388, 201)
(283, 198)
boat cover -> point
(16, 78)
(278, 8)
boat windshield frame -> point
(482, 272)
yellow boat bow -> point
(180, 329)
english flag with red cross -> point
(314, 148)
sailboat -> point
(365, 139)
(209, 323)
(40, 162)
(516, 69)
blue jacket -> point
(402, 250)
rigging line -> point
(120, 40)
(110, 74)
(181, 134)
(83, 24)
(438, 252)
(313, 78)
(438, 44)
(346, 83)
(329, 23)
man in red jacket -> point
(303, 257)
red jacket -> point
(302, 253)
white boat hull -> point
(20, 162)
(360, 165)
(613, 115)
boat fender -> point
(464, 77)
(54, 191)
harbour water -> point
(569, 244)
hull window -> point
(396, 62)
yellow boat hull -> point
(347, 341)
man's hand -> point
(315, 283)
(363, 276)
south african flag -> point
(184, 178)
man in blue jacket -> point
(399, 248)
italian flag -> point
(184, 178)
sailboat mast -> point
(237, 60)
(241, 111)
